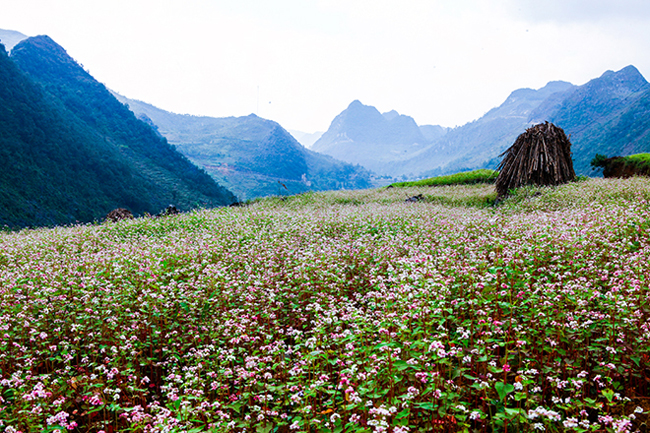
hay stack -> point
(540, 156)
(119, 214)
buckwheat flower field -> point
(337, 312)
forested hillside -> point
(71, 152)
(251, 156)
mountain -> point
(251, 156)
(307, 139)
(10, 38)
(479, 143)
(362, 135)
(71, 152)
(433, 132)
(609, 115)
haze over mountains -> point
(251, 156)
(9, 38)
(307, 139)
(71, 151)
(362, 135)
(608, 115)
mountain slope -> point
(65, 160)
(253, 157)
(9, 38)
(477, 144)
(607, 115)
(362, 135)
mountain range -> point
(251, 156)
(362, 135)
(307, 139)
(608, 115)
(70, 152)
(9, 38)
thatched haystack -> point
(119, 214)
(539, 156)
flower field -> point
(337, 312)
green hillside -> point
(251, 156)
(463, 178)
(71, 152)
(609, 115)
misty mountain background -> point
(251, 156)
(71, 152)
(607, 115)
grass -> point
(349, 311)
(464, 178)
(641, 160)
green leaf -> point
(236, 406)
(503, 389)
(266, 428)
(401, 365)
(609, 394)
(512, 413)
(425, 405)
(403, 414)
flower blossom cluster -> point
(350, 310)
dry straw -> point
(539, 156)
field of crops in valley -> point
(345, 311)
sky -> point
(302, 62)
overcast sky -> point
(442, 62)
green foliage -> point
(598, 161)
(639, 160)
(464, 178)
(252, 156)
(333, 312)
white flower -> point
(570, 422)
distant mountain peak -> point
(9, 38)
(390, 115)
(360, 134)
(625, 81)
(557, 86)
(629, 71)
